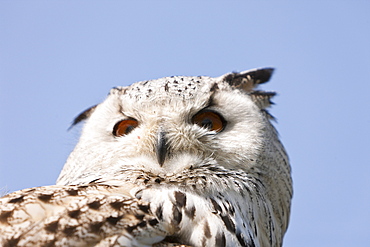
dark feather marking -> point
(74, 214)
(216, 206)
(142, 224)
(241, 239)
(139, 216)
(45, 197)
(113, 220)
(214, 87)
(129, 229)
(159, 212)
(177, 215)
(29, 190)
(12, 242)
(207, 230)
(72, 192)
(153, 222)
(251, 244)
(17, 199)
(94, 205)
(180, 199)
(231, 209)
(173, 241)
(190, 212)
(117, 205)
(204, 242)
(213, 169)
(94, 180)
(52, 227)
(220, 240)
(96, 226)
(69, 230)
(230, 225)
(144, 208)
(5, 215)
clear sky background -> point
(59, 57)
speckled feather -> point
(208, 188)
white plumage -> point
(178, 160)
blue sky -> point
(59, 57)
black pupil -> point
(207, 123)
(129, 129)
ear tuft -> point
(248, 80)
(83, 116)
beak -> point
(162, 147)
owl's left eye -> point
(124, 127)
(210, 120)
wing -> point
(93, 215)
(102, 215)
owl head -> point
(175, 125)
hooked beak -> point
(162, 147)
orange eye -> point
(210, 120)
(124, 127)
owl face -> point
(170, 125)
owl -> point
(177, 161)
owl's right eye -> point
(124, 127)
